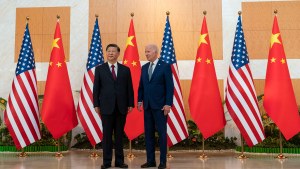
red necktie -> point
(113, 72)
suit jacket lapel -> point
(157, 67)
(107, 69)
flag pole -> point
(23, 153)
(203, 155)
(94, 154)
(242, 156)
(169, 156)
(130, 155)
(58, 153)
(280, 155)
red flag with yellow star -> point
(279, 99)
(58, 111)
(205, 101)
(135, 120)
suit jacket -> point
(108, 92)
(158, 91)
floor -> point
(76, 159)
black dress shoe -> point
(147, 165)
(105, 166)
(162, 166)
(121, 165)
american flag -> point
(176, 125)
(241, 99)
(22, 112)
(90, 120)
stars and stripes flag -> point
(241, 99)
(279, 99)
(205, 99)
(22, 113)
(89, 118)
(176, 123)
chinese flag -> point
(58, 111)
(205, 101)
(135, 120)
(279, 100)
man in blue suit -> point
(155, 93)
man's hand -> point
(129, 109)
(140, 106)
(166, 109)
(97, 109)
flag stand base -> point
(242, 156)
(59, 154)
(281, 156)
(169, 156)
(131, 156)
(94, 155)
(203, 156)
(22, 154)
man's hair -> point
(113, 45)
(153, 46)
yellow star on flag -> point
(199, 59)
(54, 43)
(274, 39)
(133, 63)
(129, 41)
(125, 62)
(50, 63)
(58, 64)
(202, 39)
(273, 60)
(282, 61)
(207, 61)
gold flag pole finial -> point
(96, 15)
(27, 19)
(132, 14)
(168, 13)
(240, 13)
(58, 17)
(204, 13)
(275, 11)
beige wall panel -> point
(49, 19)
(258, 21)
(41, 87)
(291, 43)
(216, 44)
(258, 43)
(35, 20)
(144, 15)
(288, 14)
(182, 44)
(213, 17)
(180, 14)
(257, 16)
(107, 11)
(185, 86)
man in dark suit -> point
(156, 90)
(113, 98)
